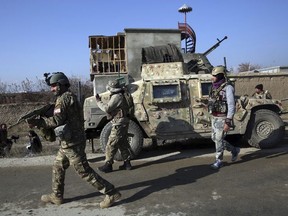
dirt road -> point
(171, 181)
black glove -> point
(98, 98)
(35, 122)
(229, 122)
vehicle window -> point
(164, 91)
(205, 88)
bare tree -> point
(3, 87)
(243, 67)
(27, 85)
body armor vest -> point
(217, 104)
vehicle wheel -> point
(265, 129)
(135, 138)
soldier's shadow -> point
(182, 176)
(262, 153)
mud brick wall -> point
(275, 83)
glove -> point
(98, 98)
(229, 122)
(35, 122)
(48, 134)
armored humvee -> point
(171, 103)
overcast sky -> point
(40, 36)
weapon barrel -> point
(214, 46)
(43, 111)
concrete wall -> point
(136, 39)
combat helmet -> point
(57, 77)
(218, 70)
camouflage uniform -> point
(68, 123)
(262, 95)
(72, 150)
(117, 108)
(222, 110)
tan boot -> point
(52, 198)
(109, 200)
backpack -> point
(130, 103)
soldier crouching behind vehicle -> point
(222, 107)
(68, 124)
(35, 144)
(260, 93)
(117, 108)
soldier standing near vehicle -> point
(260, 93)
(222, 107)
(117, 110)
(68, 124)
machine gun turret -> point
(199, 62)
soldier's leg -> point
(113, 143)
(231, 148)
(218, 136)
(78, 159)
(61, 163)
(124, 146)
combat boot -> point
(52, 198)
(126, 165)
(110, 199)
(106, 168)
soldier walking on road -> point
(68, 124)
(117, 110)
(222, 107)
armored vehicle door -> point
(199, 93)
(167, 104)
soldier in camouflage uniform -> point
(222, 108)
(117, 110)
(68, 124)
(260, 93)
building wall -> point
(136, 39)
(275, 83)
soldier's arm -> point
(113, 103)
(60, 112)
(230, 101)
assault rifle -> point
(45, 111)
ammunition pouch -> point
(211, 108)
(63, 133)
(216, 106)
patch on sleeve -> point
(57, 111)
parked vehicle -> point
(171, 102)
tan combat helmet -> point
(218, 70)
